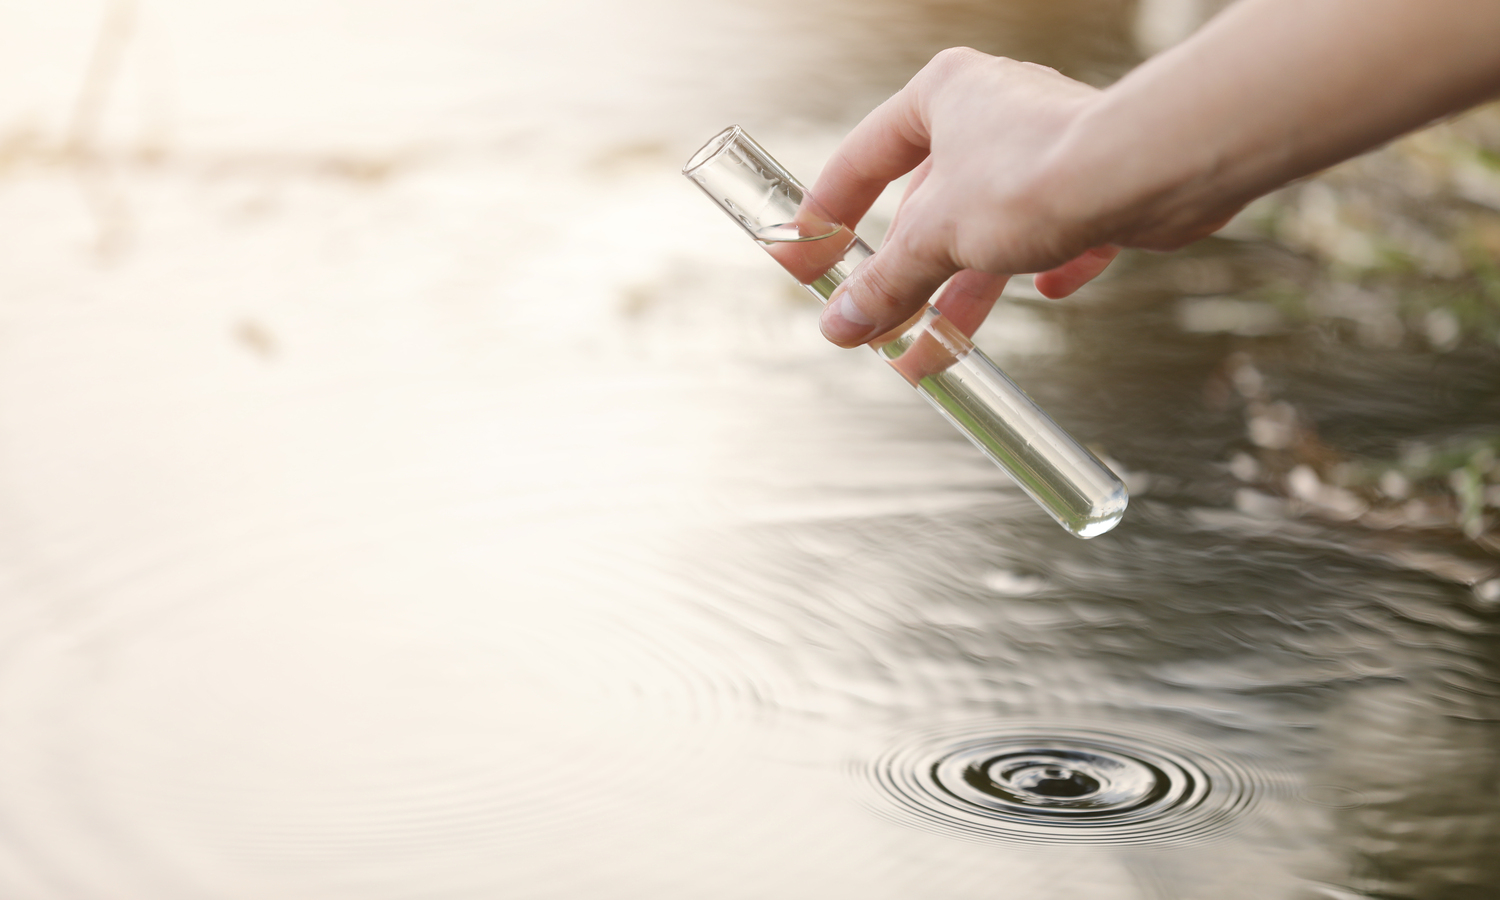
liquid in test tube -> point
(932, 354)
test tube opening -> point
(775, 209)
(755, 190)
(716, 145)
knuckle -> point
(1038, 67)
(901, 276)
(952, 59)
(881, 292)
(845, 170)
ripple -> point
(1332, 796)
(1035, 783)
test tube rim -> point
(712, 149)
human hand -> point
(993, 193)
(1019, 169)
(978, 131)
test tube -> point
(931, 353)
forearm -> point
(1019, 169)
(1270, 91)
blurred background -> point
(410, 487)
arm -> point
(1018, 169)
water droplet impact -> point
(1031, 783)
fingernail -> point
(844, 323)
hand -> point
(1019, 169)
(980, 132)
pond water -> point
(410, 487)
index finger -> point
(889, 142)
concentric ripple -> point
(1037, 784)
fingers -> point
(968, 298)
(913, 184)
(807, 261)
(887, 144)
(1076, 272)
(914, 261)
(886, 290)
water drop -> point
(1030, 783)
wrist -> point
(1124, 174)
(1084, 188)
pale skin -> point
(1017, 168)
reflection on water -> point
(385, 513)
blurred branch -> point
(81, 146)
(103, 68)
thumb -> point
(883, 292)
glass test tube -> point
(932, 354)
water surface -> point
(386, 512)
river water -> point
(410, 487)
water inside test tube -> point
(982, 402)
(820, 273)
(794, 233)
(975, 396)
